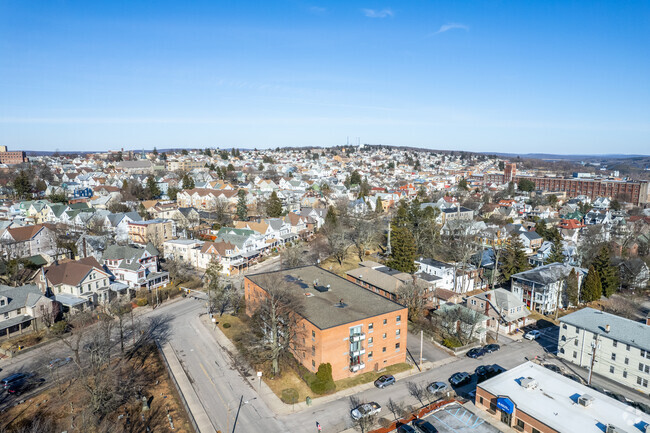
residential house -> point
(137, 267)
(76, 284)
(541, 288)
(26, 241)
(155, 231)
(505, 311)
(21, 308)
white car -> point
(365, 409)
(437, 387)
(532, 335)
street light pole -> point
(234, 425)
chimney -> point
(488, 296)
(647, 319)
(607, 328)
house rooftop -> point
(344, 302)
(548, 274)
(626, 331)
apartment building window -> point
(624, 373)
(383, 336)
(2, 302)
(645, 354)
(370, 342)
(383, 349)
(398, 319)
(6, 315)
(613, 357)
(520, 424)
(370, 356)
(313, 350)
(385, 321)
(371, 327)
(614, 343)
(611, 369)
(396, 346)
(575, 354)
(641, 381)
(627, 347)
(575, 342)
(627, 361)
(564, 326)
(397, 333)
(535, 430)
(644, 368)
(313, 363)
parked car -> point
(476, 352)
(424, 426)
(532, 335)
(365, 409)
(485, 372)
(384, 381)
(460, 379)
(16, 386)
(59, 362)
(405, 428)
(491, 348)
(437, 387)
(12, 378)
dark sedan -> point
(491, 348)
(424, 426)
(384, 381)
(476, 352)
(460, 379)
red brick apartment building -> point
(11, 158)
(352, 328)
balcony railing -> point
(357, 352)
(357, 367)
(357, 337)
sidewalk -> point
(280, 408)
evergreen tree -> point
(242, 210)
(22, 184)
(153, 190)
(155, 152)
(188, 182)
(572, 289)
(463, 184)
(379, 207)
(608, 275)
(556, 253)
(514, 258)
(403, 249)
(355, 178)
(364, 189)
(331, 219)
(172, 192)
(274, 206)
(592, 290)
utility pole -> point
(594, 346)
(241, 400)
(421, 344)
(557, 300)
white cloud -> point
(375, 13)
(452, 26)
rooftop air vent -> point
(613, 429)
(585, 400)
(607, 328)
(529, 383)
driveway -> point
(430, 352)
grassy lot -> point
(351, 262)
(371, 376)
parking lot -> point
(457, 419)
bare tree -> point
(416, 391)
(275, 331)
(364, 235)
(460, 245)
(364, 423)
(413, 296)
(220, 295)
(459, 322)
(120, 311)
(337, 241)
(396, 408)
(292, 256)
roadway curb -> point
(191, 398)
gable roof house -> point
(76, 284)
(136, 267)
(27, 241)
(505, 311)
(21, 307)
(538, 287)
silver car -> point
(437, 388)
(365, 409)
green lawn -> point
(371, 376)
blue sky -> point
(506, 76)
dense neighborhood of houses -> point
(466, 247)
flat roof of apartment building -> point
(553, 400)
(333, 300)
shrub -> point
(324, 383)
(289, 396)
(451, 342)
(141, 302)
(226, 325)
